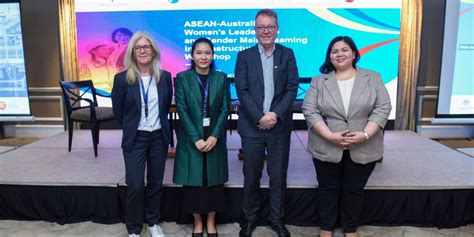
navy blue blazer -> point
(126, 104)
(250, 89)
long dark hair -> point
(327, 66)
(193, 47)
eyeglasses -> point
(145, 47)
(270, 28)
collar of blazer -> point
(162, 92)
(330, 83)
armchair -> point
(84, 109)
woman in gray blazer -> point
(346, 109)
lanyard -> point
(206, 93)
(145, 95)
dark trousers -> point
(278, 146)
(341, 192)
(148, 150)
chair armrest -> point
(88, 101)
(99, 93)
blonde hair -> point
(131, 62)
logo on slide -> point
(466, 103)
(3, 105)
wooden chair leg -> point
(97, 132)
(94, 137)
(70, 129)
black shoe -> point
(200, 234)
(212, 234)
(280, 229)
(246, 229)
(197, 234)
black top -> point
(203, 79)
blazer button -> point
(345, 120)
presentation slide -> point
(456, 90)
(104, 28)
(13, 85)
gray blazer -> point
(369, 102)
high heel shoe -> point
(212, 234)
(197, 234)
(200, 234)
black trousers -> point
(278, 147)
(341, 192)
(148, 151)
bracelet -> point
(366, 135)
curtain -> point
(67, 35)
(67, 41)
(409, 60)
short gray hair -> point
(267, 12)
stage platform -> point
(420, 182)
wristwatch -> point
(366, 135)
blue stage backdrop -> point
(305, 27)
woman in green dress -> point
(203, 103)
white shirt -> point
(151, 123)
(345, 87)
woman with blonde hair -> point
(141, 98)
